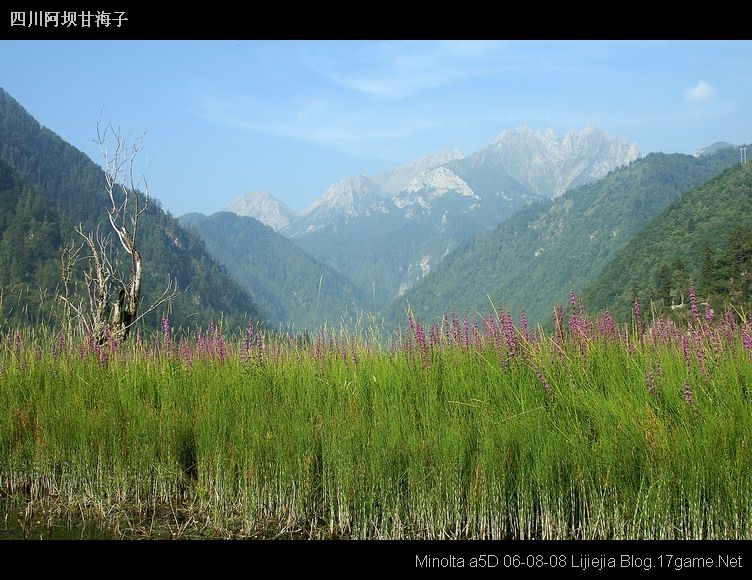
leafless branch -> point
(113, 296)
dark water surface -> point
(15, 526)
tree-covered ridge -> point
(726, 273)
(30, 235)
(702, 239)
(291, 288)
(71, 186)
(532, 259)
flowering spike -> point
(166, 331)
(545, 383)
(693, 303)
(688, 392)
(523, 326)
(650, 381)
(638, 316)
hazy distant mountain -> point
(386, 232)
(292, 289)
(265, 208)
(393, 181)
(544, 164)
(531, 260)
(715, 147)
(348, 198)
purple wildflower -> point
(572, 298)
(101, 354)
(187, 355)
(455, 328)
(434, 335)
(221, 348)
(507, 327)
(650, 381)
(747, 340)
(545, 383)
(685, 348)
(420, 335)
(638, 316)
(729, 324)
(699, 352)
(606, 325)
(693, 303)
(166, 332)
(688, 392)
(708, 313)
(494, 333)
(523, 326)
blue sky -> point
(223, 118)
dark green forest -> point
(31, 234)
(702, 239)
(48, 188)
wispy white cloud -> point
(397, 70)
(701, 92)
(312, 120)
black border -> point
(512, 558)
(381, 20)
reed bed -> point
(468, 429)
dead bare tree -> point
(110, 306)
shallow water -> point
(15, 529)
(15, 526)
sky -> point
(223, 118)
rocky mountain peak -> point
(345, 196)
(393, 181)
(550, 165)
(265, 208)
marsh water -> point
(18, 522)
(15, 524)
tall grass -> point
(469, 430)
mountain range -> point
(516, 224)
(532, 260)
(386, 232)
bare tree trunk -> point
(114, 298)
